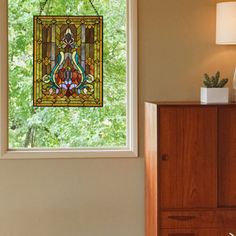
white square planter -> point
(214, 95)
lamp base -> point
(234, 95)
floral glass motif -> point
(68, 61)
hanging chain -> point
(43, 4)
(49, 7)
(94, 8)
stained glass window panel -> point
(68, 61)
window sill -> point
(68, 153)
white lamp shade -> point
(226, 23)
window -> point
(110, 131)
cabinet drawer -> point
(190, 232)
(228, 232)
(227, 219)
(188, 219)
(178, 232)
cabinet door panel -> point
(170, 174)
(227, 156)
(188, 157)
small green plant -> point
(214, 81)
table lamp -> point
(226, 29)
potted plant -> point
(214, 91)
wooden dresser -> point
(190, 161)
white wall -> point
(106, 197)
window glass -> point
(56, 127)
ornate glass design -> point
(68, 61)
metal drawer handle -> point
(231, 234)
(183, 218)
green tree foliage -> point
(66, 127)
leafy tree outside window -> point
(31, 127)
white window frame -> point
(132, 100)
